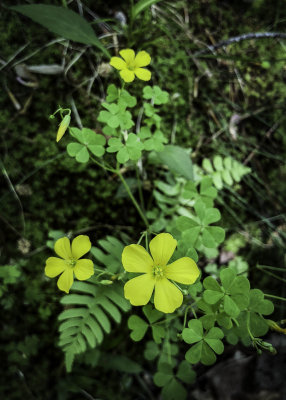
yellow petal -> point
(63, 248)
(139, 290)
(184, 270)
(167, 297)
(83, 269)
(65, 281)
(143, 74)
(80, 246)
(128, 55)
(54, 266)
(136, 259)
(127, 75)
(142, 59)
(162, 247)
(117, 63)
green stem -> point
(248, 327)
(141, 237)
(140, 188)
(275, 297)
(103, 166)
(133, 199)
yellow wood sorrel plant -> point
(181, 233)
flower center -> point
(131, 65)
(71, 263)
(158, 272)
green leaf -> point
(194, 354)
(78, 151)
(152, 314)
(184, 223)
(174, 390)
(215, 345)
(138, 326)
(141, 6)
(161, 379)
(152, 351)
(211, 215)
(178, 161)
(227, 277)
(230, 307)
(218, 163)
(207, 355)
(211, 284)
(212, 297)
(186, 373)
(194, 332)
(217, 233)
(158, 333)
(207, 165)
(63, 22)
(208, 240)
(258, 325)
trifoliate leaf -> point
(186, 373)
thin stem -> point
(275, 297)
(133, 199)
(141, 237)
(103, 166)
(139, 188)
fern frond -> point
(89, 319)
(225, 170)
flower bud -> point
(63, 127)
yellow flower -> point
(157, 273)
(131, 65)
(63, 127)
(70, 263)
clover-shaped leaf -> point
(88, 140)
(151, 351)
(115, 116)
(131, 150)
(123, 96)
(156, 142)
(172, 388)
(155, 94)
(207, 192)
(234, 291)
(205, 345)
(139, 326)
(258, 304)
(196, 230)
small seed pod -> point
(63, 127)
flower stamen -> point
(158, 272)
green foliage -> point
(233, 292)
(207, 193)
(172, 388)
(63, 22)
(155, 94)
(225, 170)
(196, 229)
(88, 141)
(139, 327)
(177, 160)
(110, 258)
(131, 150)
(87, 319)
(141, 5)
(205, 345)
